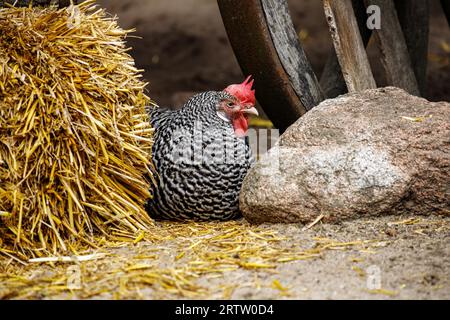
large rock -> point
(373, 153)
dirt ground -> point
(383, 258)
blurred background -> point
(184, 49)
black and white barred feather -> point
(200, 162)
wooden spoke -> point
(414, 17)
(290, 52)
(332, 80)
(394, 52)
(350, 50)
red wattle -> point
(240, 125)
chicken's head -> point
(240, 106)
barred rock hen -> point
(201, 155)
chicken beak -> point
(251, 110)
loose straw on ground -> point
(190, 260)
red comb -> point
(243, 91)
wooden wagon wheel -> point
(266, 45)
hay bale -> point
(74, 136)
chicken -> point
(201, 155)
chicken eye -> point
(230, 104)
